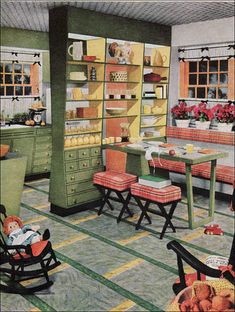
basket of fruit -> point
(216, 295)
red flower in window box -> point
(181, 111)
(202, 113)
(225, 113)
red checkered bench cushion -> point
(114, 180)
(162, 195)
(224, 173)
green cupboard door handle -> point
(98, 162)
(84, 153)
(70, 155)
(71, 167)
(84, 165)
(72, 178)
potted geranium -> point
(225, 115)
(181, 114)
(203, 115)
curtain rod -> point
(35, 54)
(203, 58)
(206, 48)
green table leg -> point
(189, 185)
(212, 189)
(137, 164)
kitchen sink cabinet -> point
(34, 143)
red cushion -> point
(36, 248)
(162, 195)
(223, 173)
(114, 180)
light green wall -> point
(20, 38)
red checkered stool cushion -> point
(114, 180)
(169, 195)
(162, 195)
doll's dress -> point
(22, 236)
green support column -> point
(137, 164)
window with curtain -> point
(207, 75)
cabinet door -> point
(24, 146)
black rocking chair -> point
(16, 265)
(196, 264)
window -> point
(19, 79)
(211, 79)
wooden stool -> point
(169, 195)
(112, 181)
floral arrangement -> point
(225, 113)
(202, 113)
(181, 111)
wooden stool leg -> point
(125, 207)
(144, 209)
(105, 200)
(167, 217)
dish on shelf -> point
(149, 121)
(114, 111)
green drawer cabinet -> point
(71, 184)
(34, 143)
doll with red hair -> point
(19, 234)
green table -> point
(138, 165)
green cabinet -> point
(34, 143)
(24, 147)
(12, 180)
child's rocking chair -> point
(17, 264)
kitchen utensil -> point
(152, 77)
(159, 59)
(149, 121)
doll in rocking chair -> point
(19, 234)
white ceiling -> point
(33, 15)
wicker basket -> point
(118, 76)
(188, 292)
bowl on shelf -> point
(149, 121)
(114, 111)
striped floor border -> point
(184, 202)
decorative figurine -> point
(93, 74)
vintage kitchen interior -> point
(117, 156)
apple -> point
(171, 152)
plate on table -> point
(207, 151)
(167, 145)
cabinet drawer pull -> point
(84, 165)
(15, 151)
(96, 151)
(72, 178)
(70, 155)
(71, 167)
(74, 201)
(84, 153)
(72, 190)
(98, 162)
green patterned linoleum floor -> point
(112, 267)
